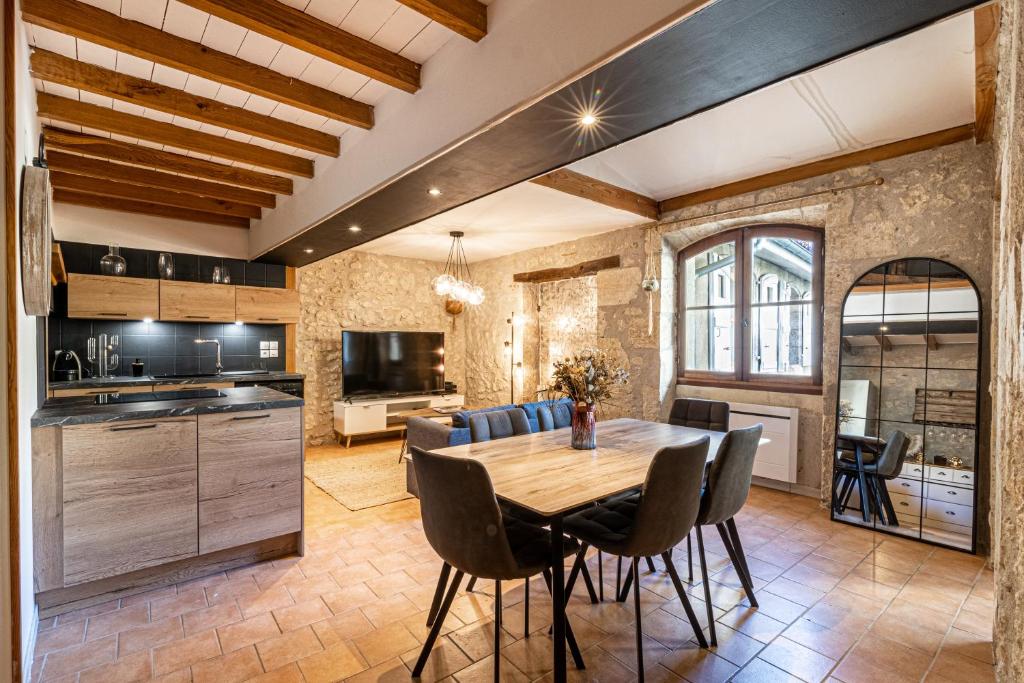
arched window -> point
(751, 303)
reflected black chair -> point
(651, 523)
(699, 413)
(465, 526)
(724, 495)
(871, 475)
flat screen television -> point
(375, 363)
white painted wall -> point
(99, 226)
(533, 47)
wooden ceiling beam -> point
(108, 188)
(986, 67)
(104, 28)
(113, 121)
(585, 187)
(140, 155)
(466, 17)
(147, 208)
(121, 173)
(56, 68)
(307, 33)
(821, 167)
(579, 270)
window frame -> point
(742, 376)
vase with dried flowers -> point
(589, 379)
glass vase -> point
(113, 263)
(165, 266)
(584, 427)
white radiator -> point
(777, 458)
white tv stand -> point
(360, 416)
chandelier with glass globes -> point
(453, 283)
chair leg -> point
(624, 594)
(497, 630)
(526, 609)
(887, 503)
(730, 548)
(471, 585)
(862, 482)
(435, 630)
(618, 579)
(843, 501)
(734, 533)
(600, 576)
(570, 639)
(442, 583)
(639, 627)
(690, 614)
(650, 565)
(707, 587)
(689, 559)
(579, 566)
(589, 583)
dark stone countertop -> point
(101, 382)
(83, 409)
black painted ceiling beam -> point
(726, 50)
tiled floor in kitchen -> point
(836, 603)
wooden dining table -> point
(542, 473)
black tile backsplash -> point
(167, 347)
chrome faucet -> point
(220, 368)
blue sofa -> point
(430, 434)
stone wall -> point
(359, 291)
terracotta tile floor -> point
(836, 603)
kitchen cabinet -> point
(250, 477)
(196, 302)
(266, 305)
(64, 393)
(112, 298)
(129, 496)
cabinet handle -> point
(952, 493)
(950, 513)
(904, 504)
(198, 317)
(905, 484)
(251, 417)
(128, 429)
(269, 319)
(118, 315)
(940, 474)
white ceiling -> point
(384, 22)
(918, 84)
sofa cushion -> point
(531, 410)
(498, 424)
(461, 418)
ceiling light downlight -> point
(588, 119)
(434, 192)
(354, 228)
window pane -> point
(710, 338)
(710, 277)
(782, 270)
(780, 342)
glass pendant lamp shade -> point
(454, 282)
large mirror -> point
(906, 448)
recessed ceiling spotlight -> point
(354, 228)
(434, 192)
(588, 119)
(308, 250)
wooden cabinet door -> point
(197, 302)
(266, 305)
(250, 477)
(113, 298)
(129, 496)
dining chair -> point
(651, 523)
(465, 526)
(726, 491)
(876, 470)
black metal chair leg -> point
(748, 587)
(570, 639)
(887, 503)
(526, 609)
(650, 565)
(471, 585)
(577, 566)
(497, 630)
(618, 578)
(589, 583)
(690, 614)
(730, 525)
(600, 577)
(689, 559)
(435, 630)
(707, 587)
(849, 493)
(442, 583)
(845, 491)
(624, 593)
(639, 626)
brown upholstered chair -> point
(465, 526)
(651, 523)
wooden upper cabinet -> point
(196, 302)
(112, 298)
(130, 497)
(266, 305)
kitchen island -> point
(136, 490)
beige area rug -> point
(360, 481)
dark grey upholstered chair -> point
(554, 416)
(876, 470)
(498, 424)
(465, 526)
(651, 523)
(696, 412)
(726, 491)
